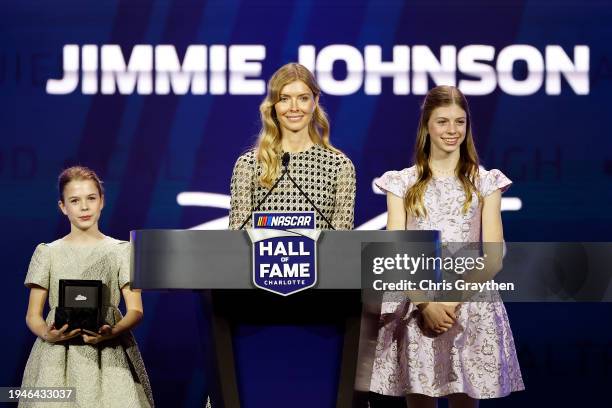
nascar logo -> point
(290, 221)
(284, 251)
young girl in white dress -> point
(463, 351)
(105, 368)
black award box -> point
(80, 304)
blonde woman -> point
(462, 351)
(293, 122)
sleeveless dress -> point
(477, 355)
(109, 374)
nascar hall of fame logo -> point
(284, 251)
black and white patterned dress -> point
(327, 177)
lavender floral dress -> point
(477, 355)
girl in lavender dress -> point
(462, 351)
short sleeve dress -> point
(326, 176)
(110, 374)
(477, 355)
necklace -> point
(442, 172)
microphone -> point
(286, 158)
(285, 162)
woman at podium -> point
(293, 167)
(294, 137)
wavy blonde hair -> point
(467, 167)
(268, 147)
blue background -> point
(557, 150)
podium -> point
(221, 261)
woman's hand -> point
(437, 317)
(53, 335)
(105, 333)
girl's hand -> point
(437, 317)
(105, 333)
(52, 335)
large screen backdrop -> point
(161, 97)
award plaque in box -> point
(80, 304)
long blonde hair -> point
(268, 147)
(467, 167)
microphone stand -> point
(285, 163)
(329, 224)
(264, 199)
